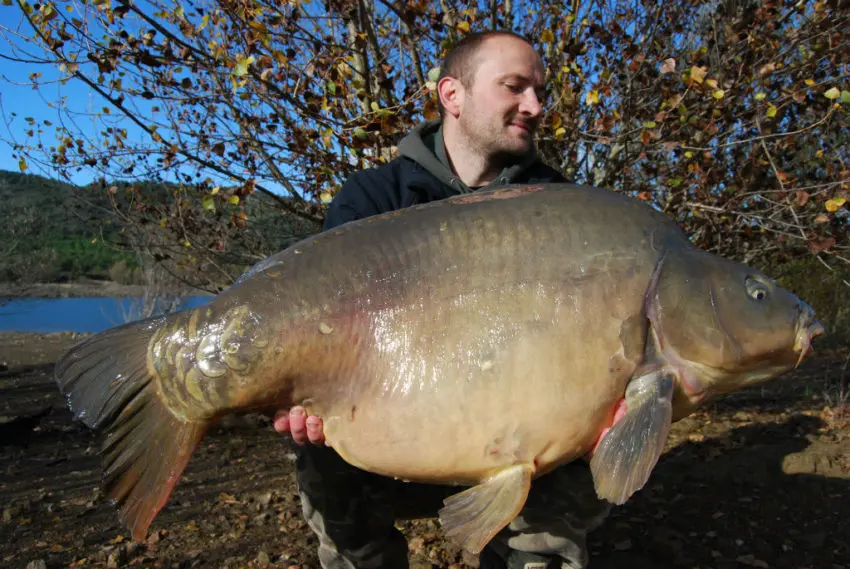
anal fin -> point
(474, 516)
(625, 457)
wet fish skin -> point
(518, 317)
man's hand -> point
(301, 427)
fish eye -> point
(756, 289)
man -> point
(490, 92)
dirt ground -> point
(758, 479)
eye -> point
(516, 89)
(756, 289)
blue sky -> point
(18, 98)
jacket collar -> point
(424, 145)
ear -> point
(451, 94)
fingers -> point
(299, 426)
(281, 421)
(315, 430)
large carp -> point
(480, 341)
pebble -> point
(263, 560)
(752, 561)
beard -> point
(496, 138)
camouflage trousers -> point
(353, 514)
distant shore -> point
(82, 288)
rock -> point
(265, 499)
(9, 513)
(751, 561)
(263, 560)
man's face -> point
(501, 109)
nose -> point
(530, 105)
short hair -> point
(460, 60)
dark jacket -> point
(420, 174)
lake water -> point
(85, 314)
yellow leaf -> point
(771, 111)
(718, 94)
(711, 83)
(760, 96)
(325, 197)
(463, 27)
(560, 132)
(592, 97)
(22, 165)
(234, 199)
(557, 121)
(698, 74)
(832, 94)
(547, 36)
(809, 82)
(242, 64)
(835, 203)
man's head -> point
(491, 88)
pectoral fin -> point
(625, 457)
(475, 515)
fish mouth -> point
(807, 330)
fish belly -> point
(452, 390)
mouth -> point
(807, 330)
(526, 128)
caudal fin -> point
(108, 385)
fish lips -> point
(807, 330)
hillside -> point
(56, 232)
(53, 231)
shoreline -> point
(93, 288)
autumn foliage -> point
(729, 115)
